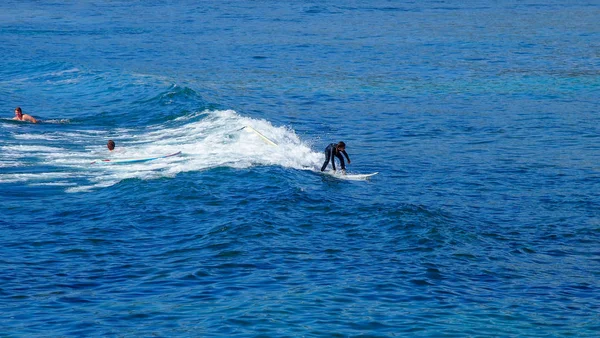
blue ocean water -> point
(480, 117)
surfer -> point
(335, 149)
(110, 145)
(19, 116)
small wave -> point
(43, 75)
(56, 121)
(34, 177)
(30, 149)
(62, 72)
(54, 184)
(10, 164)
(13, 121)
(45, 137)
(175, 94)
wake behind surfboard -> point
(134, 160)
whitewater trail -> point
(206, 140)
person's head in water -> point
(19, 113)
(341, 146)
(111, 145)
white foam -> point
(207, 139)
(54, 184)
(62, 72)
(10, 164)
(56, 121)
(28, 150)
(29, 177)
(45, 137)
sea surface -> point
(482, 119)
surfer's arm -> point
(346, 154)
(342, 164)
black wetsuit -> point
(332, 151)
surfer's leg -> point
(341, 158)
(327, 157)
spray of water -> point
(206, 140)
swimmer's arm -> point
(30, 119)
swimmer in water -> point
(19, 116)
(110, 145)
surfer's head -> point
(111, 145)
(18, 112)
(341, 146)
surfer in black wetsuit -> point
(335, 149)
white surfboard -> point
(134, 160)
(350, 177)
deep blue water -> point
(482, 119)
